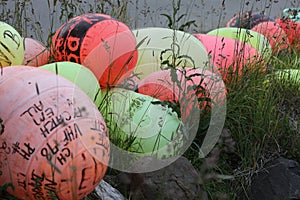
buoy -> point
(230, 56)
(292, 13)
(292, 30)
(36, 54)
(187, 88)
(162, 48)
(289, 76)
(256, 40)
(80, 75)
(248, 19)
(54, 144)
(141, 124)
(276, 36)
(12, 46)
(103, 44)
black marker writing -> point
(25, 152)
(14, 37)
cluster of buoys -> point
(281, 33)
(54, 142)
(144, 87)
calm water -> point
(209, 14)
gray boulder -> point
(177, 181)
(280, 180)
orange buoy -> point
(292, 30)
(36, 54)
(109, 41)
(54, 142)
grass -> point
(258, 125)
(262, 120)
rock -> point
(278, 180)
(104, 191)
(175, 182)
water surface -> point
(43, 18)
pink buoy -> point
(229, 55)
(36, 54)
(276, 36)
(188, 87)
(54, 142)
(103, 44)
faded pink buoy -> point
(36, 54)
(54, 142)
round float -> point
(292, 13)
(256, 40)
(12, 46)
(163, 48)
(78, 74)
(54, 142)
(292, 30)
(141, 124)
(36, 53)
(188, 88)
(248, 19)
(103, 44)
(289, 76)
(229, 55)
(276, 36)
